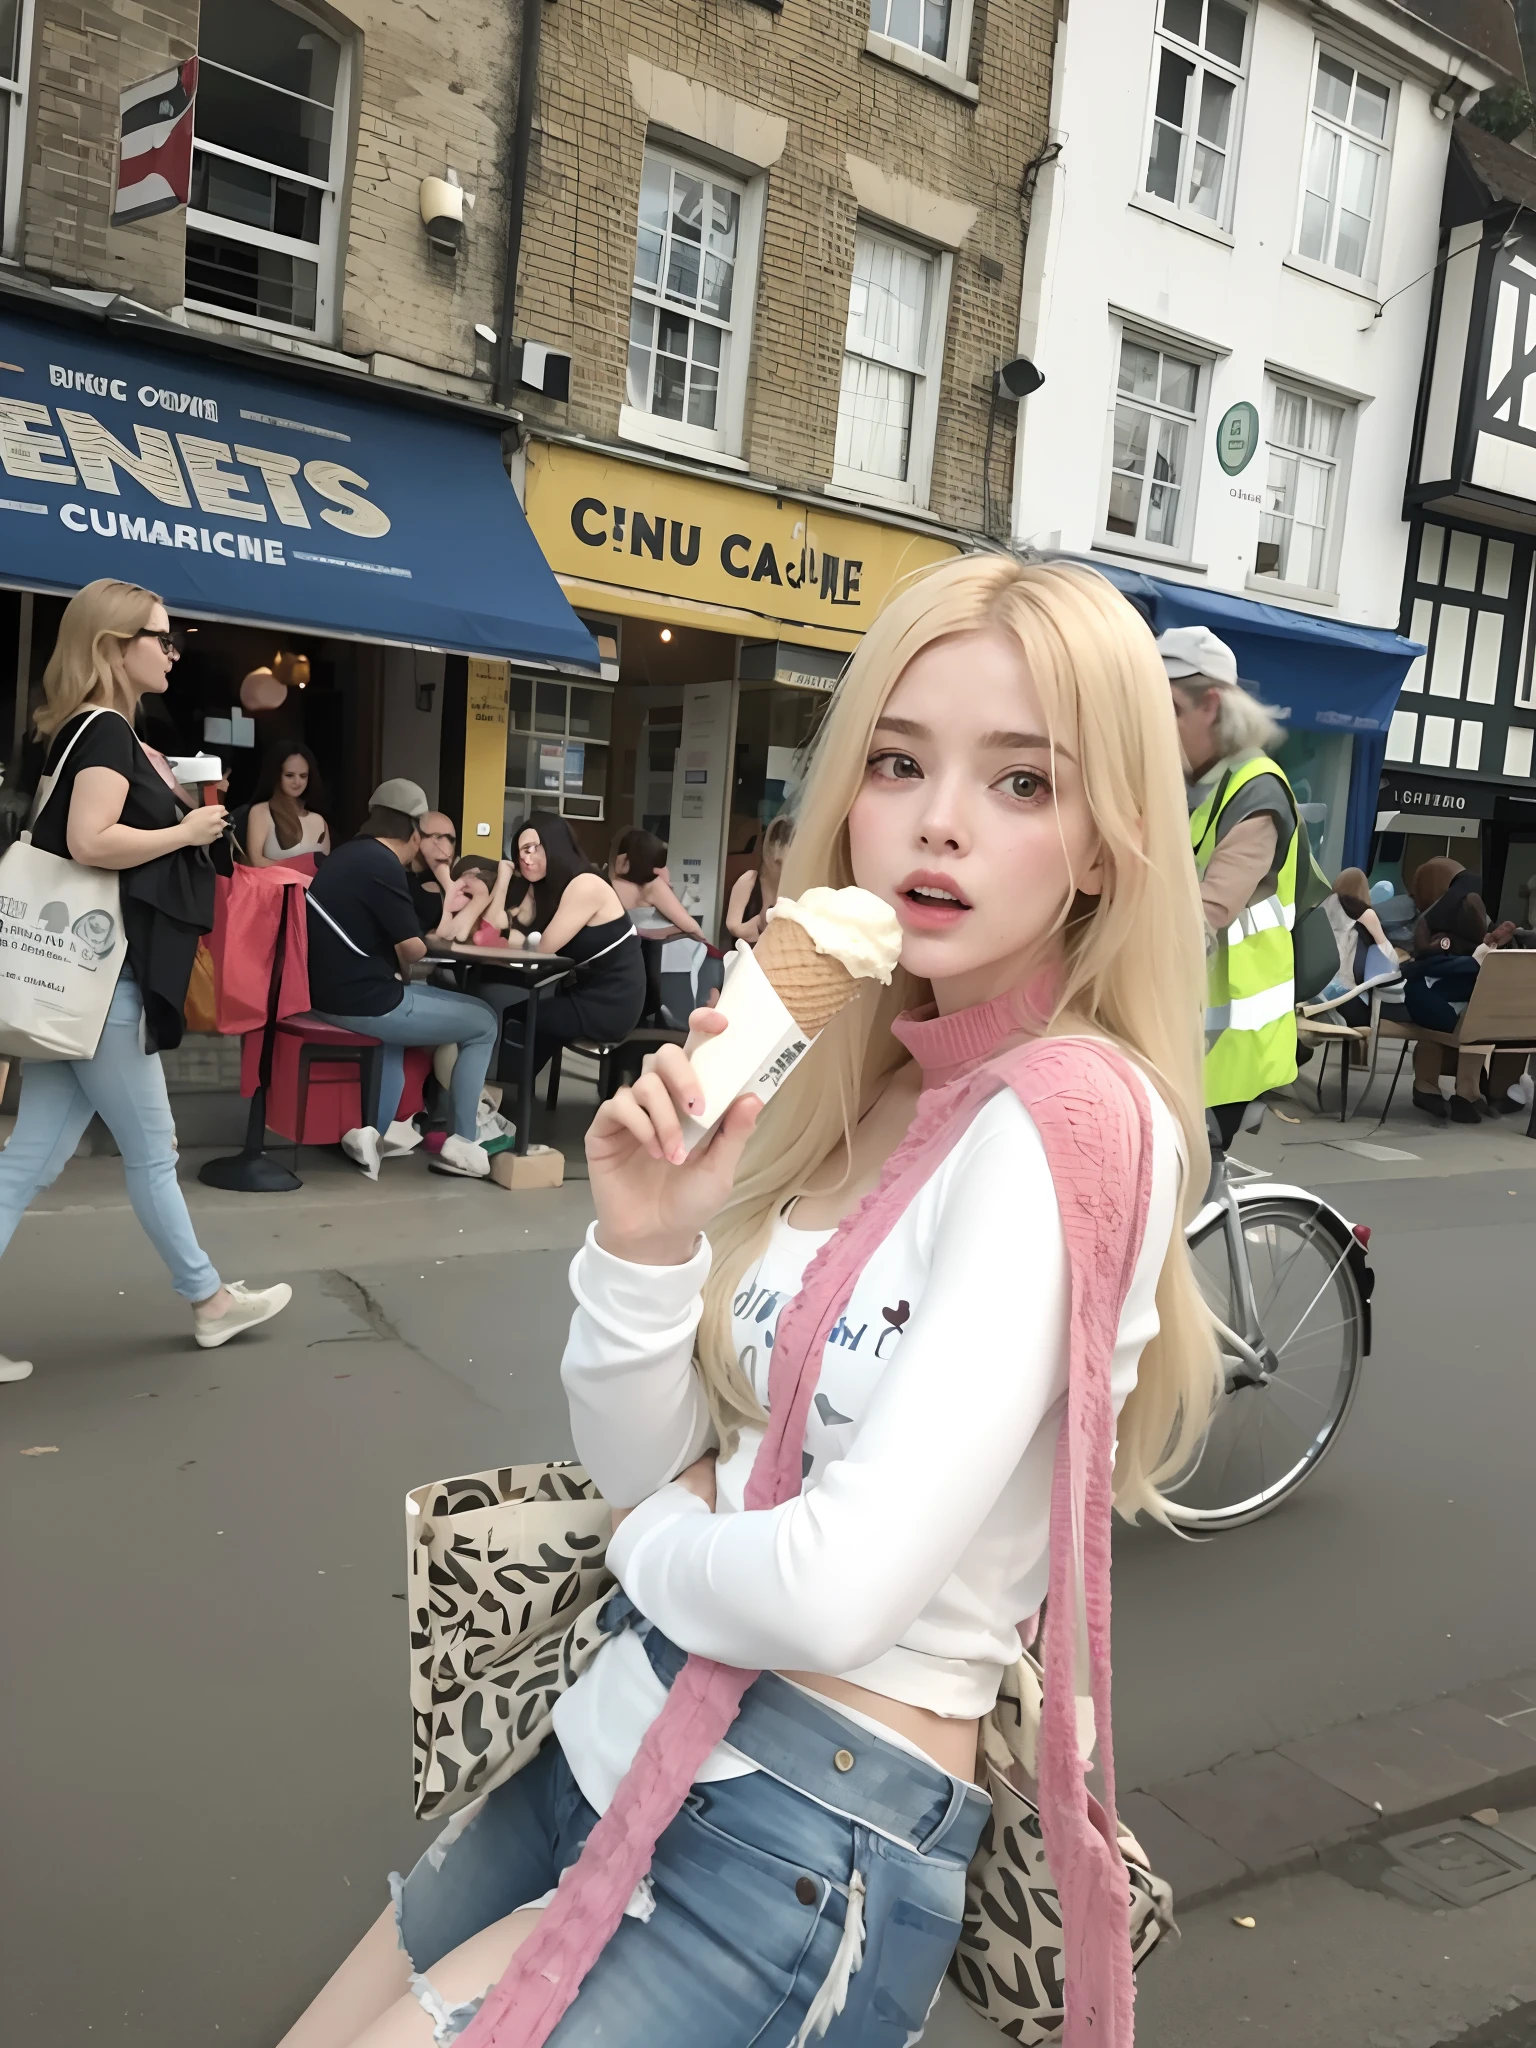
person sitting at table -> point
(363, 935)
(637, 868)
(475, 908)
(567, 907)
(428, 875)
(757, 890)
(286, 823)
(1450, 942)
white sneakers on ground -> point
(15, 1368)
(248, 1306)
(363, 1145)
(463, 1158)
(369, 1148)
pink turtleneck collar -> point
(947, 1047)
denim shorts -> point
(748, 1899)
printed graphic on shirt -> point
(856, 1348)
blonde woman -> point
(757, 890)
(1000, 766)
(110, 809)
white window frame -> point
(325, 254)
(1381, 147)
(721, 443)
(1326, 592)
(949, 70)
(926, 369)
(18, 91)
(1166, 39)
(1166, 344)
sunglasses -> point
(170, 643)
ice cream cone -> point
(812, 986)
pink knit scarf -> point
(1092, 1116)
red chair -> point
(339, 1103)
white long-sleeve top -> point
(918, 1541)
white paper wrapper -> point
(762, 1048)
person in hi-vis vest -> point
(1242, 826)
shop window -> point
(690, 307)
(892, 361)
(268, 161)
(1344, 182)
(1303, 512)
(557, 748)
(1154, 446)
(15, 64)
(1197, 82)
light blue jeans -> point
(431, 1016)
(125, 1086)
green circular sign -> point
(1237, 437)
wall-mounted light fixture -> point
(1017, 379)
(443, 201)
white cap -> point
(1196, 651)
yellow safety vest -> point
(1250, 1017)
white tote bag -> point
(62, 944)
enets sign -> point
(238, 493)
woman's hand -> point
(204, 826)
(652, 1201)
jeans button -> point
(806, 1890)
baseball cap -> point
(399, 795)
(1196, 651)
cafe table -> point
(537, 973)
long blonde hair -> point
(86, 664)
(1134, 957)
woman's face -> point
(532, 860)
(967, 824)
(146, 664)
(295, 776)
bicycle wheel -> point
(1265, 1441)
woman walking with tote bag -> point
(107, 808)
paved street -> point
(204, 1694)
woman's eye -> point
(1027, 785)
(895, 767)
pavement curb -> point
(1273, 1813)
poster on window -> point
(154, 156)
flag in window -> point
(154, 165)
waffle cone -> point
(812, 986)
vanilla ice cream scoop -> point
(850, 926)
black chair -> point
(328, 1045)
(613, 1067)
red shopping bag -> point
(248, 917)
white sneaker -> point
(464, 1158)
(399, 1139)
(363, 1145)
(15, 1368)
(248, 1306)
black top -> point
(362, 889)
(428, 899)
(168, 902)
(608, 994)
(107, 742)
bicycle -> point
(1288, 1281)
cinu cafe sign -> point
(605, 522)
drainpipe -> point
(517, 190)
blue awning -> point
(240, 494)
(1319, 674)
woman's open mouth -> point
(930, 903)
